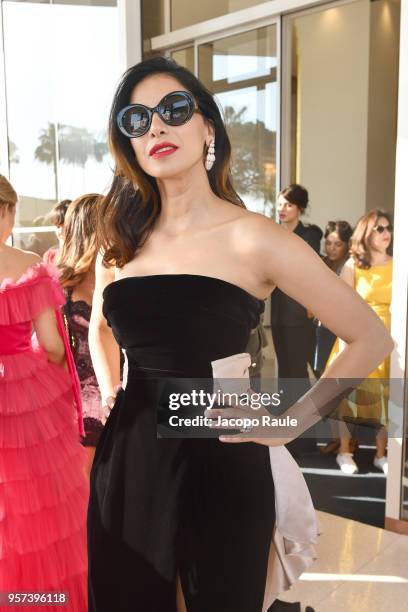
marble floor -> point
(360, 568)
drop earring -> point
(210, 159)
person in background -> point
(293, 329)
(56, 217)
(256, 343)
(336, 244)
(43, 492)
(369, 271)
(337, 237)
(76, 263)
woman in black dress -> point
(292, 326)
(337, 237)
(76, 263)
(187, 524)
(293, 330)
(336, 244)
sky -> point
(62, 65)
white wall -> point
(333, 60)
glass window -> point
(31, 124)
(241, 71)
(152, 21)
(185, 13)
(58, 99)
(83, 88)
(35, 240)
(184, 57)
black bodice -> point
(159, 504)
(179, 322)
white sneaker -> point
(381, 463)
(346, 463)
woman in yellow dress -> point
(369, 271)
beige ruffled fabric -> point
(292, 546)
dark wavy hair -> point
(342, 228)
(296, 194)
(128, 212)
(360, 249)
(78, 253)
(344, 231)
(57, 214)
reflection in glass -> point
(29, 96)
(184, 57)
(241, 71)
(185, 12)
(58, 97)
(35, 241)
(83, 90)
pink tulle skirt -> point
(43, 487)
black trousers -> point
(295, 348)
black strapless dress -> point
(199, 507)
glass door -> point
(242, 71)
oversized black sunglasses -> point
(381, 228)
(175, 108)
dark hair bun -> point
(296, 194)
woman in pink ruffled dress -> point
(43, 489)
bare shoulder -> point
(253, 238)
(271, 252)
(103, 274)
(15, 262)
(18, 254)
(30, 258)
(25, 259)
(242, 218)
(252, 229)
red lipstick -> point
(161, 149)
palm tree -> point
(75, 146)
(12, 152)
(46, 151)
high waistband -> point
(15, 338)
(166, 363)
